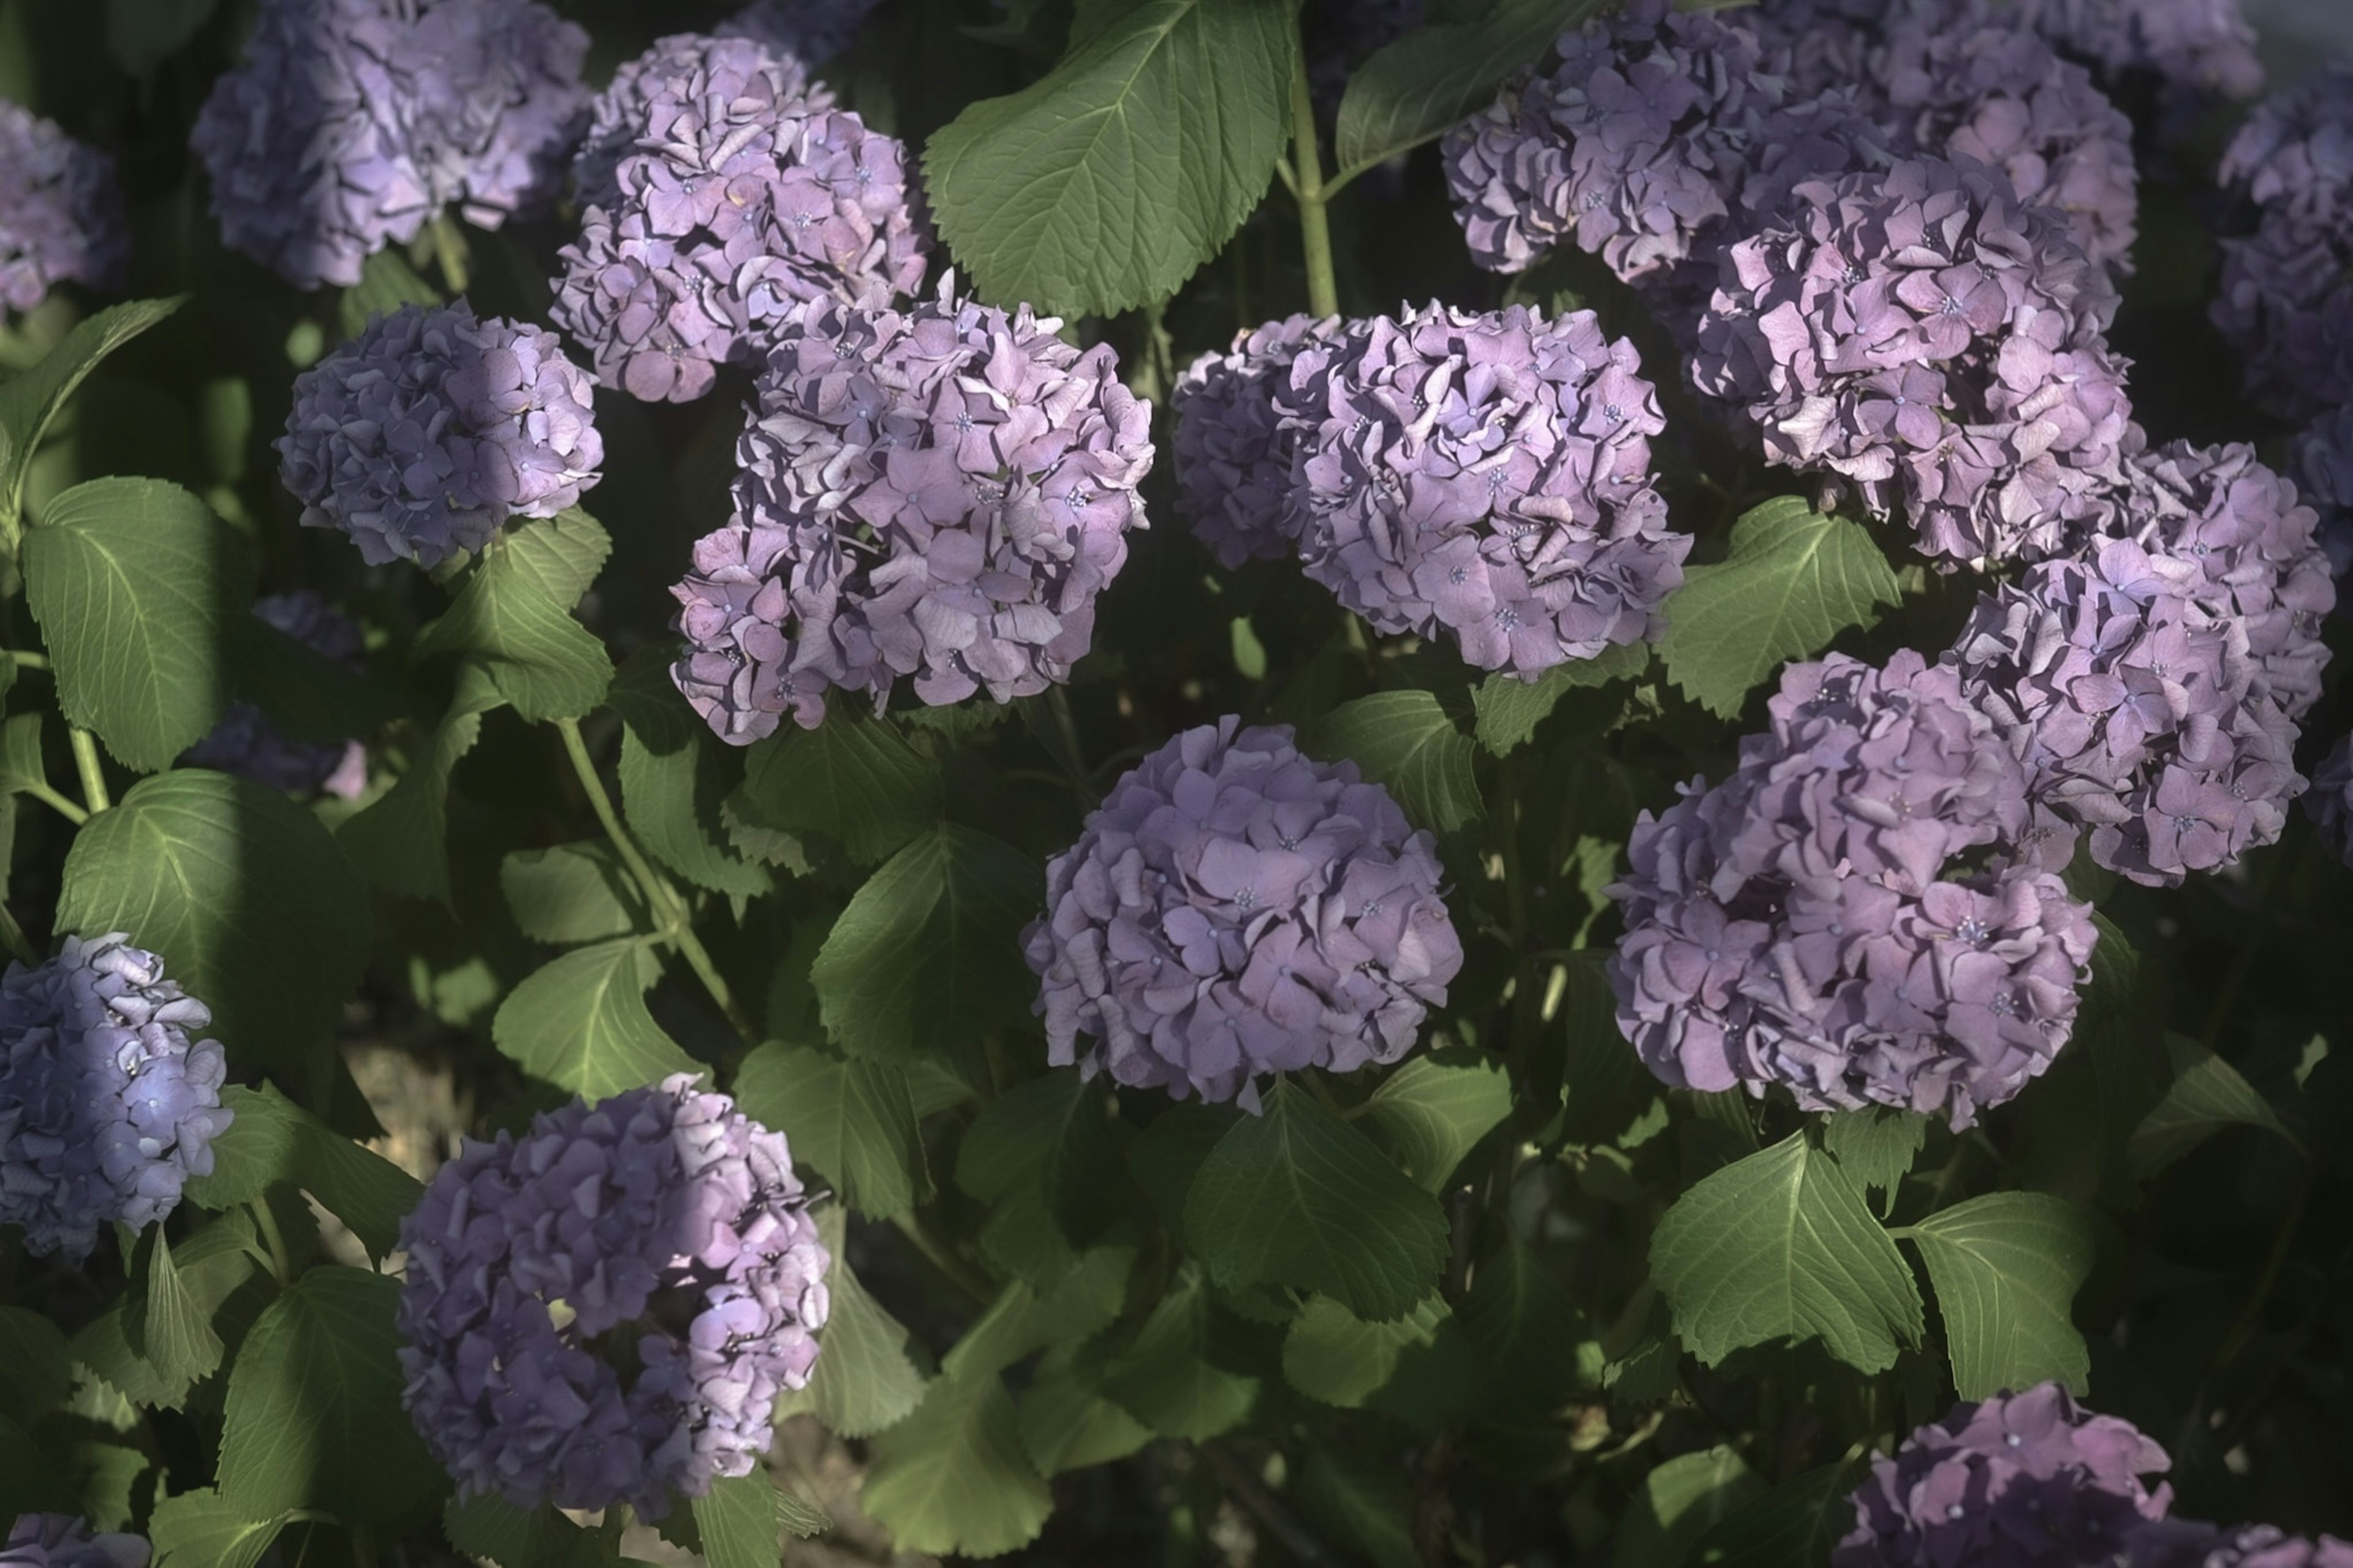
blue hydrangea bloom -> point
(61, 1540)
(60, 211)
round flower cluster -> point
(106, 1105)
(348, 123)
(1235, 452)
(1235, 909)
(1926, 338)
(2138, 713)
(2184, 1544)
(245, 742)
(1810, 921)
(61, 1540)
(812, 30)
(660, 1231)
(425, 433)
(2194, 46)
(60, 211)
(2285, 298)
(1487, 476)
(2026, 1480)
(2321, 459)
(733, 194)
(937, 492)
(2330, 802)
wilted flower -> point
(2022, 1481)
(1235, 909)
(1926, 338)
(937, 492)
(350, 122)
(812, 30)
(605, 1309)
(60, 211)
(425, 433)
(1813, 921)
(2330, 802)
(1235, 449)
(61, 1540)
(246, 744)
(2285, 298)
(2139, 714)
(106, 1105)
(734, 195)
(2183, 1543)
(1487, 477)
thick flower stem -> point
(281, 1266)
(662, 899)
(1307, 173)
(58, 802)
(93, 776)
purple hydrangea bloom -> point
(731, 71)
(2185, 1543)
(2330, 802)
(2321, 462)
(1235, 909)
(812, 30)
(61, 1540)
(2286, 298)
(742, 198)
(2022, 1481)
(2195, 46)
(245, 742)
(1235, 449)
(938, 492)
(106, 1105)
(60, 211)
(1809, 921)
(425, 433)
(2137, 712)
(1486, 477)
(1933, 342)
(348, 123)
(2294, 153)
(661, 1232)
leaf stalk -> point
(93, 776)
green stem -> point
(281, 1263)
(14, 936)
(450, 251)
(58, 802)
(28, 660)
(1307, 170)
(662, 899)
(93, 776)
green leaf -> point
(272, 1141)
(164, 1323)
(2006, 1268)
(1522, 1332)
(1296, 1197)
(202, 1530)
(1406, 741)
(1876, 1146)
(400, 839)
(670, 789)
(1105, 184)
(1367, 1512)
(560, 556)
(253, 905)
(1510, 709)
(2078, 1119)
(953, 1476)
(1795, 1525)
(1330, 1353)
(21, 765)
(864, 1383)
(1170, 1379)
(489, 1526)
(212, 1266)
(539, 657)
(1608, 1087)
(927, 956)
(132, 581)
(387, 283)
(744, 1520)
(27, 1481)
(1795, 579)
(1680, 1500)
(852, 1121)
(36, 1365)
(1419, 87)
(302, 691)
(142, 34)
(1068, 1425)
(1058, 1135)
(581, 1023)
(1436, 1107)
(572, 893)
(30, 401)
(313, 1417)
(853, 778)
(1780, 1246)
(1024, 1319)
(2208, 1095)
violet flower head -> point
(429, 430)
(1815, 920)
(107, 1106)
(1234, 908)
(2330, 802)
(2028, 1479)
(937, 492)
(604, 1308)
(62, 1541)
(498, 103)
(1934, 343)
(2196, 49)
(1235, 449)
(812, 30)
(2138, 715)
(2294, 154)
(734, 195)
(1487, 477)
(61, 213)
(247, 744)
(2186, 1543)
(2285, 298)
